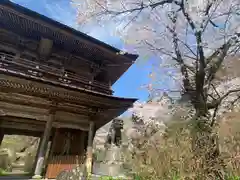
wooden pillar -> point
(89, 158)
(43, 147)
(36, 157)
(82, 143)
(54, 141)
(1, 135)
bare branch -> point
(212, 97)
(189, 48)
(170, 54)
(133, 19)
(214, 116)
(187, 16)
(207, 13)
(217, 102)
(215, 90)
(142, 6)
(228, 93)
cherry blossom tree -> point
(192, 39)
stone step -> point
(18, 165)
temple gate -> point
(55, 83)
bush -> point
(2, 172)
(4, 159)
(170, 156)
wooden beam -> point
(39, 104)
(23, 111)
(68, 94)
(25, 115)
(69, 125)
(15, 119)
(15, 122)
(20, 99)
(23, 132)
(20, 126)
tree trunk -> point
(205, 147)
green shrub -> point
(232, 177)
(109, 178)
(2, 172)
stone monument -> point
(111, 163)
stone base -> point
(37, 177)
(98, 177)
(107, 169)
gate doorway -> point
(18, 154)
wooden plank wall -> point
(57, 164)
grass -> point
(170, 157)
(5, 173)
(109, 178)
(2, 172)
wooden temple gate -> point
(55, 83)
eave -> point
(73, 40)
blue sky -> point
(129, 85)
